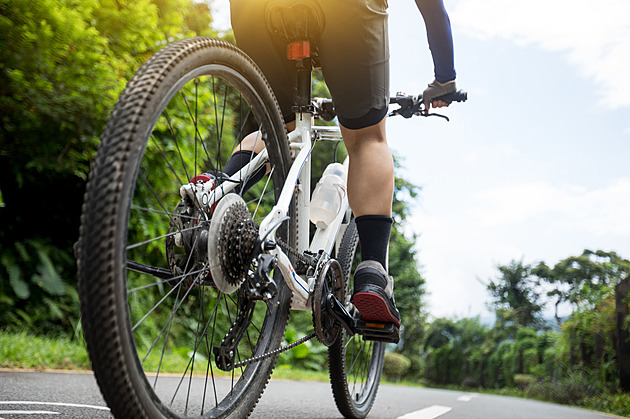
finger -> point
(439, 104)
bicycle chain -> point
(239, 322)
(306, 260)
(274, 352)
(231, 339)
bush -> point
(523, 381)
(470, 382)
(572, 390)
(617, 404)
(395, 366)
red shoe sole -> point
(373, 307)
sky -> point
(535, 166)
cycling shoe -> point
(374, 293)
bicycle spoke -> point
(198, 110)
(142, 243)
(192, 368)
(197, 133)
(179, 151)
(170, 214)
(263, 195)
(153, 192)
(166, 160)
(170, 322)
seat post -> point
(300, 53)
(303, 98)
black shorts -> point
(353, 53)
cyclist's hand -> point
(437, 89)
(437, 104)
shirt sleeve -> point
(440, 38)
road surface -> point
(76, 395)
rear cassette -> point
(231, 243)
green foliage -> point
(575, 365)
(36, 297)
(616, 404)
(451, 350)
(395, 366)
(22, 350)
(522, 381)
(571, 390)
(311, 356)
(62, 66)
(515, 290)
(583, 280)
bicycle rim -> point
(355, 364)
(151, 337)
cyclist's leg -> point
(354, 54)
(370, 192)
(371, 171)
(252, 36)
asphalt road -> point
(71, 395)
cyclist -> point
(354, 56)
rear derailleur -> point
(258, 286)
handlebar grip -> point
(459, 96)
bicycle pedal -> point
(378, 331)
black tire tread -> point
(336, 353)
(101, 296)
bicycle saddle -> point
(295, 20)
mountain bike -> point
(187, 277)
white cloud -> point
(529, 221)
(601, 211)
(594, 35)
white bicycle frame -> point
(298, 181)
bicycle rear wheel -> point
(151, 312)
(355, 364)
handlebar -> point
(412, 105)
(409, 105)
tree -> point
(515, 290)
(622, 312)
(453, 351)
(62, 65)
(580, 280)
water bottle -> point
(328, 195)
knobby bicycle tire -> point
(355, 364)
(202, 91)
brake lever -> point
(425, 112)
(420, 112)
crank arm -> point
(339, 313)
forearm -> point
(440, 38)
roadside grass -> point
(25, 351)
(21, 350)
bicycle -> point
(167, 245)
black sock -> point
(237, 161)
(374, 231)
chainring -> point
(231, 243)
(329, 281)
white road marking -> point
(431, 412)
(466, 397)
(57, 404)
